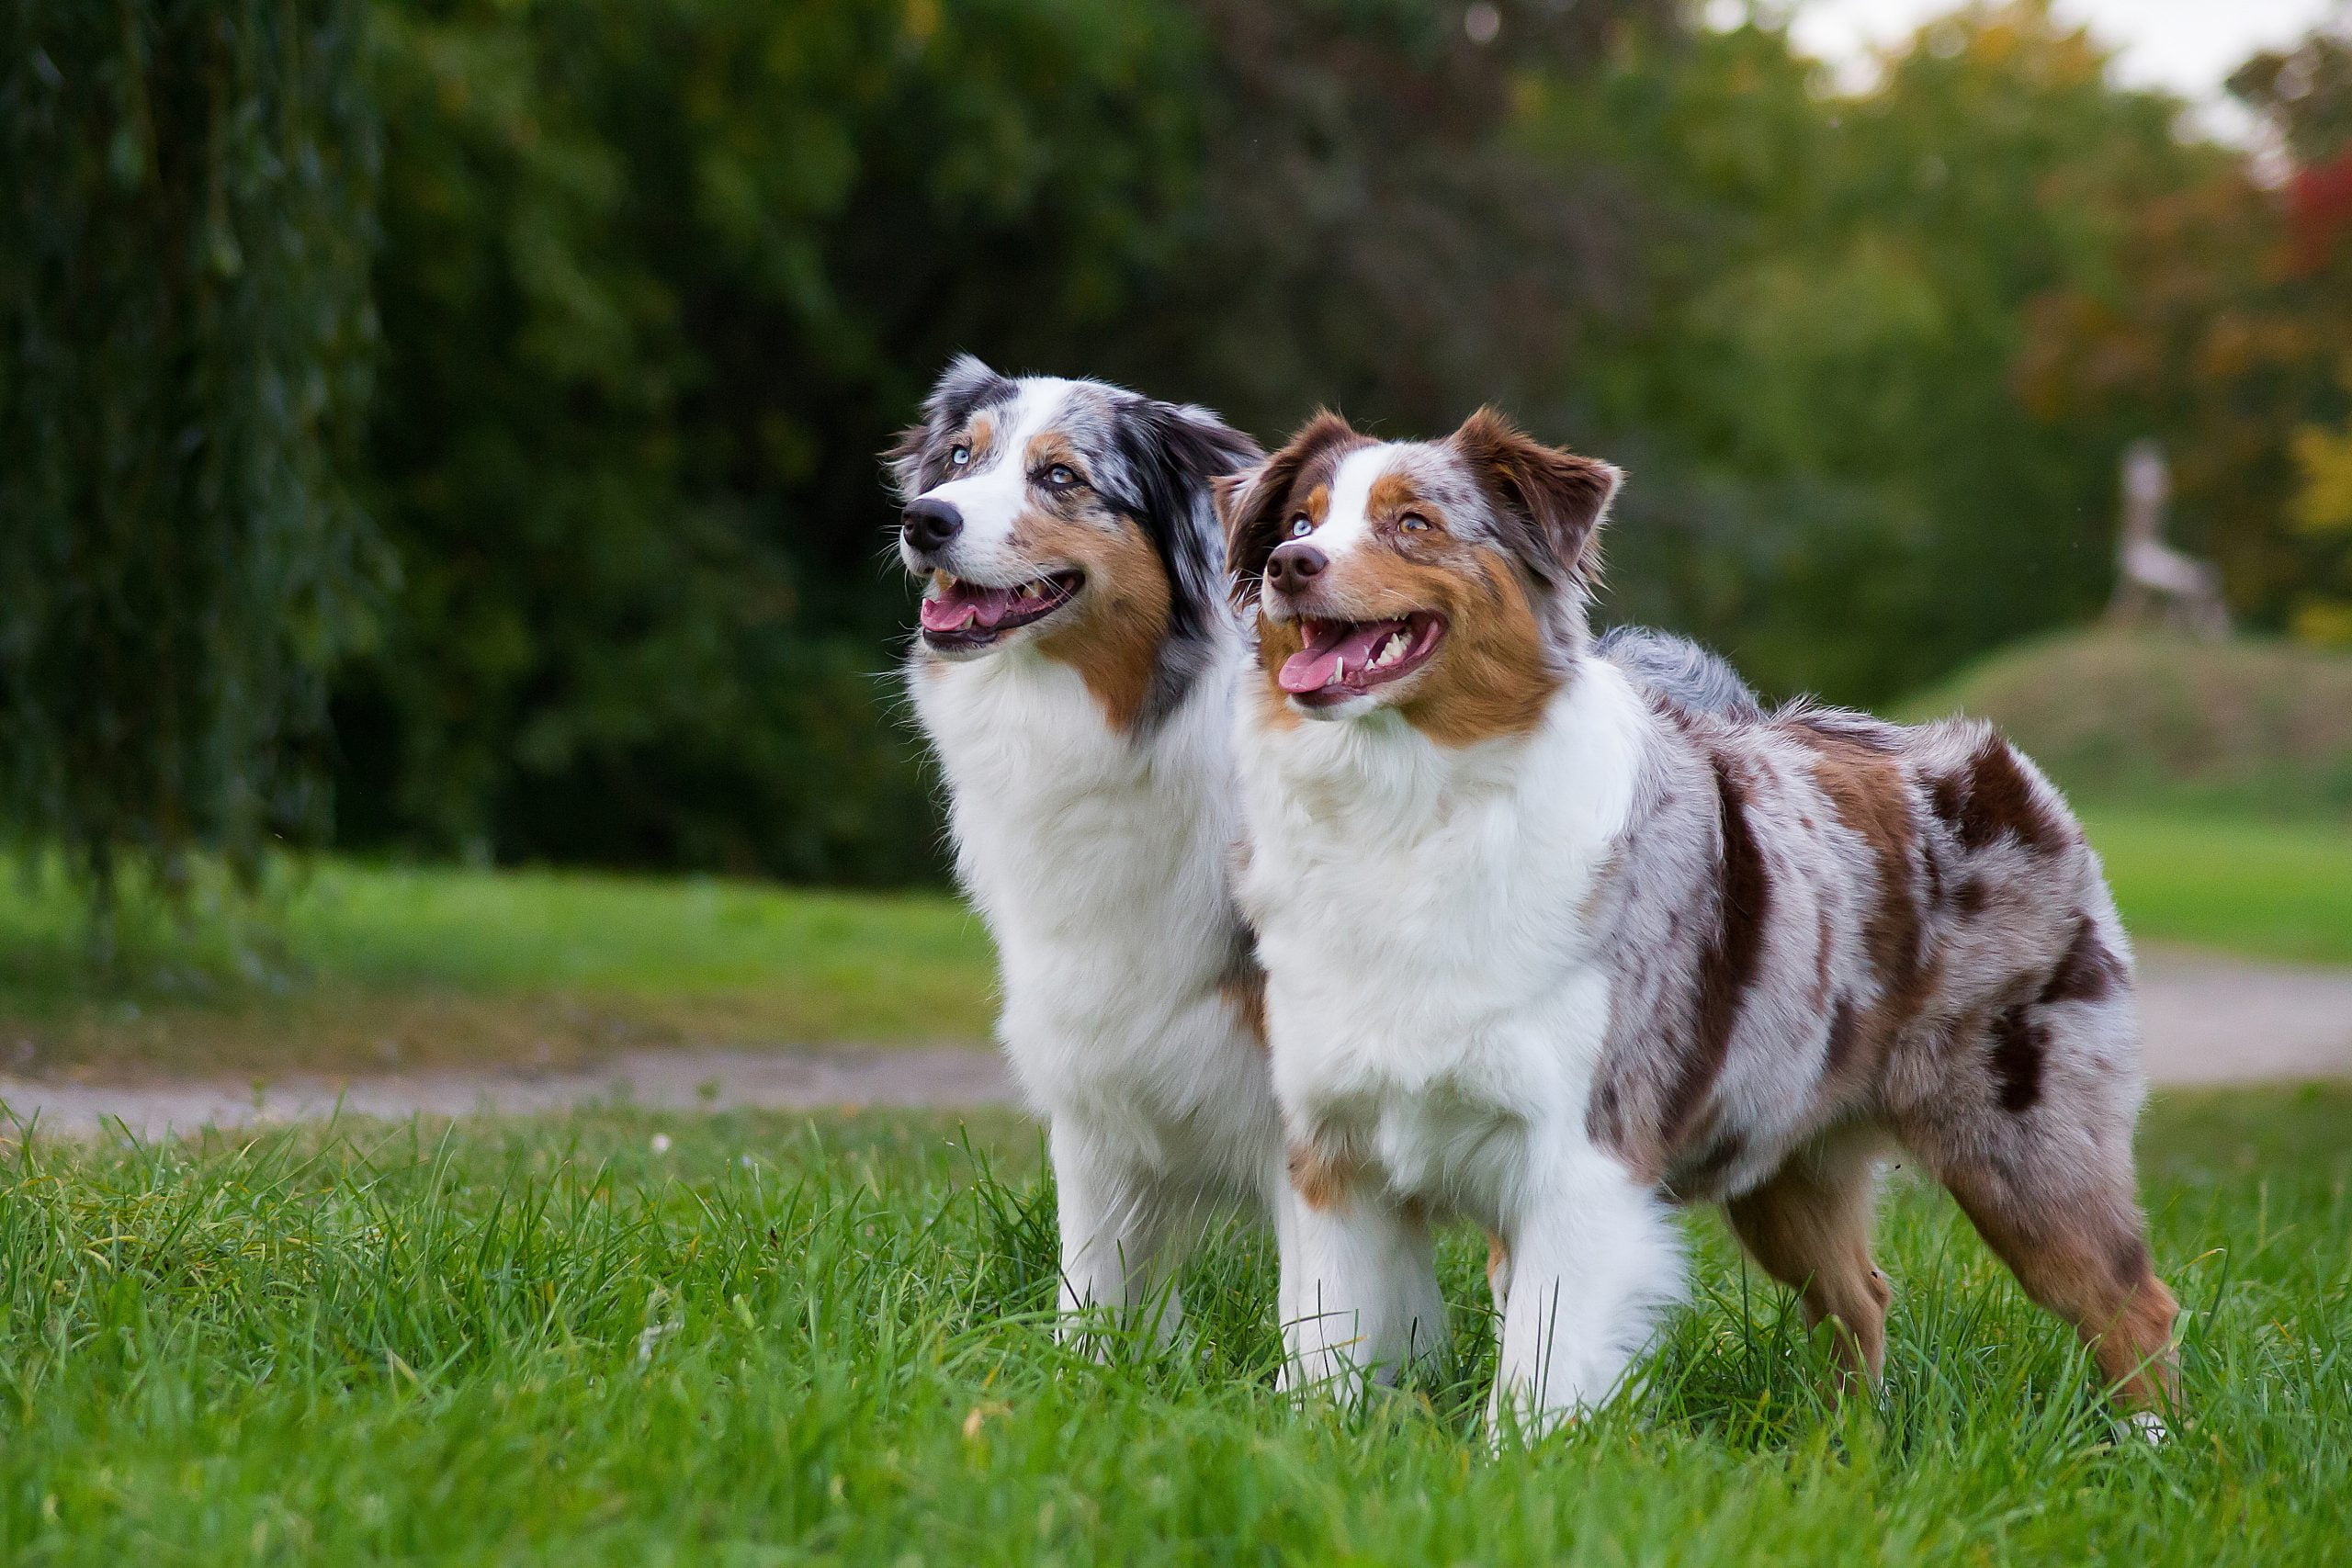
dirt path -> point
(2209, 1020)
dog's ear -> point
(1251, 503)
(1174, 454)
(1552, 502)
(967, 384)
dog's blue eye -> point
(1301, 526)
(1413, 522)
(961, 455)
(1060, 477)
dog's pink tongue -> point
(961, 605)
(1330, 645)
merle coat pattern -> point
(1630, 939)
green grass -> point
(2269, 889)
(784, 1342)
(2252, 726)
(375, 968)
(371, 969)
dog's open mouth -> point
(959, 615)
(1348, 659)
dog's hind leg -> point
(2033, 1137)
(1809, 1227)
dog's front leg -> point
(1592, 1259)
(1365, 1301)
(1118, 1223)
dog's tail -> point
(1680, 670)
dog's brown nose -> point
(1290, 566)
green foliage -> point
(183, 292)
(2281, 890)
(426, 967)
(2247, 729)
(759, 1340)
(1835, 474)
(378, 967)
(660, 279)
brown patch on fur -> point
(1700, 1176)
(1845, 1028)
(2020, 1047)
(1557, 497)
(1726, 970)
(1276, 642)
(1321, 1179)
(1392, 495)
(980, 435)
(1492, 677)
(1866, 790)
(1243, 987)
(1498, 1267)
(1113, 636)
(2087, 972)
(1993, 798)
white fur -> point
(994, 492)
(1347, 519)
(1436, 1010)
(1099, 862)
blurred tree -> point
(659, 279)
(1857, 495)
(2224, 328)
(2306, 96)
(183, 265)
(661, 276)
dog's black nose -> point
(928, 524)
(1288, 568)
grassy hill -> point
(2140, 720)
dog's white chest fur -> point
(1098, 862)
(1433, 998)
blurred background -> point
(444, 432)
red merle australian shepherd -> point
(1557, 934)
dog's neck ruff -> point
(1099, 859)
(1415, 900)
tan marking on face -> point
(1112, 634)
(1051, 446)
(1277, 640)
(1322, 1178)
(1492, 674)
(980, 436)
(1392, 495)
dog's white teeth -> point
(1392, 650)
(1029, 591)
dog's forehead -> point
(1435, 472)
(1083, 414)
(1356, 472)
